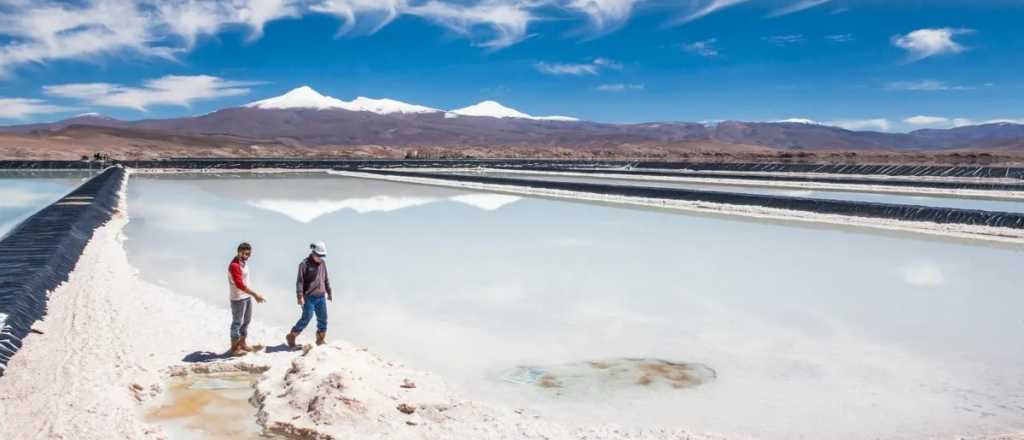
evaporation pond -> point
(810, 330)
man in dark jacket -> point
(311, 288)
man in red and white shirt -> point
(241, 299)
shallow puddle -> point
(208, 407)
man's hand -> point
(330, 297)
(301, 301)
(259, 298)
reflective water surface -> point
(22, 193)
(811, 332)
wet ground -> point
(208, 407)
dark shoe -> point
(320, 338)
(291, 339)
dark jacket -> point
(312, 279)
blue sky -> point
(882, 65)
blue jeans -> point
(310, 305)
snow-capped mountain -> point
(494, 109)
(306, 97)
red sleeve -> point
(235, 269)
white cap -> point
(319, 248)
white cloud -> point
(620, 87)
(380, 13)
(592, 68)
(923, 275)
(44, 31)
(783, 40)
(704, 48)
(168, 90)
(22, 108)
(840, 38)
(505, 22)
(963, 122)
(926, 120)
(924, 43)
(925, 85)
(604, 15)
(709, 8)
(797, 7)
(799, 121)
(862, 124)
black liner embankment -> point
(837, 179)
(868, 170)
(820, 206)
(39, 254)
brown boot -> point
(291, 339)
(236, 348)
(320, 338)
(243, 346)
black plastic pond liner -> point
(837, 179)
(38, 254)
(820, 206)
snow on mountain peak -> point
(302, 97)
(306, 97)
(386, 106)
(495, 109)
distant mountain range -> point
(304, 117)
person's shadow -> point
(204, 356)
(199, 357)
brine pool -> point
(811, 331)
(22, 193)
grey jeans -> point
(241, 314)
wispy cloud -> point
(784, 40)
(840, 38)
(604, 15)
(23, 108)
(361, 16)
(922, 120)
(704, 48)
(924, 43)
(620, 87)
(879, 124)
(709, 8)
(168, 90)
(963, 122)
(493, 24)
(925, 85)
(797, 7)
(43, 31)
(592, 68)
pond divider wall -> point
(819, 206)
(838, 178)
(39, 254)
